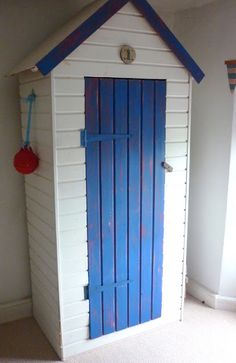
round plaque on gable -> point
(127, 54)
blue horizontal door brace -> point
(96, 289)
(86, 137)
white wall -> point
(228, 271)
(209, 35)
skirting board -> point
(16, 310)
(211, 299)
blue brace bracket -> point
(86, 137)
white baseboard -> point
(211, 299)
(16, 310)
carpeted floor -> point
(206, 336)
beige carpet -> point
(206, 336)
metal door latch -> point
(167, 167)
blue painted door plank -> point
(107, 200)
(121, 225)
(159, 182)
(94, 207)
(147, 198)
(134, 199)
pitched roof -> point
(60, 45)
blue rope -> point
(30, 99)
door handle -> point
(167, 167)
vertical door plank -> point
(147, 198)
(121, 113)
(160, 112)
(107, 200)
(134, 200)
(93, 202)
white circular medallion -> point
(127, 54)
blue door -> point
(125, 147)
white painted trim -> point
(211, 299)
(16, 310)
(56, 206)
(184, 271)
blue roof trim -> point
(94, 22)
(169, 38)
(79, 35)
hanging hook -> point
(30, 99)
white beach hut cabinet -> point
(106, 220)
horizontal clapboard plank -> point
(177, 89)
(70, 310)
(95, 69)
(177, 105)
(46, 311)
(176, 134)
(46, 285)
(111, 54)
(177, 119)
(69, 86)
(69, 104)
(106, 37)
(176, 149)
(74, 251)
(42, 104)
(45, 229)
(71, 172)
(37, 265)
(44, 185)
(72, 206)
(70, 121)
(44, 292)
(70, 281)
(44, 214)
(129, 23)
(43, 255)
(72, 190)
(69, 238)
(40, 196)
(70, 296)
(70, 156)
(53, 335)
(80, 321)
(40, 121)
(42, 241)
(41, 87)
(75, 266)
(41, 137)
(75, 335)
(68, 139)
(73, 221)
(175, 179)
(45, 170)
(130, 10)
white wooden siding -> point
(99, 57)
(40, 204)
